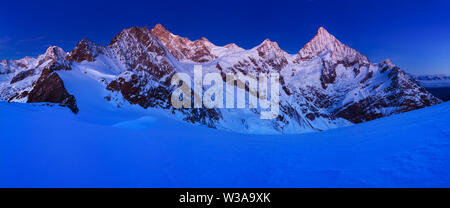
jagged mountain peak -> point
(54, 52)
(233, 46)
(137, 33)
(137, 28)
(52, 55)
(140, 51)
(159, 28)
(85, 50)
(85, 41)
(203, 40)
(268, 46)
(165, 36)
(183, 49)
(134, 36)
(388, 62)
(325, 39)
(268, 43)
(324, 42)
(323, 32)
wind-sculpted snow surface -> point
(325, 86)
(43, 146)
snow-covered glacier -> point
(42, 146)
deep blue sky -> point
(414, 34)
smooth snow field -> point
(43, 146)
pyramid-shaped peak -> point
(323, 42)
(322, 30)
(85, 50)
(232, 46)
(158, 28)
(165, 36)
(55, 52)
(85, 41)
(268, 43)
(269, 47)
(324, 36)
(388, 62)
(84, 44)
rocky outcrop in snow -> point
(50, 88)
(36, 80)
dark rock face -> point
(147, 81)
(135, 91)
(141, 52)
(366, 109)
(362, 111)
(85, 51)
(22, 75)
(328, 75)
(203, 116)
(367, 77)
(50, 88)
(18, 96)
(403, 95)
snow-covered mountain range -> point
(325, 85)
(432, 81)
(438, 85)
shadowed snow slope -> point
(51, 147)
